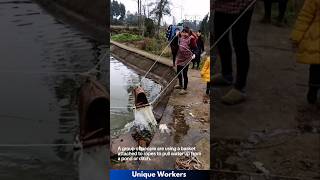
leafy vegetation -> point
(126, 37)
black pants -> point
(183, 76)
(174, 51)
(196, 61)
(314, 76)
(282, 8)
(240, 43)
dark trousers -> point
(183, 76)
(282, 8)
(174, 52)
(240, 43)
(314, 76)
(196, 61)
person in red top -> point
(186, 43)
(226, 13)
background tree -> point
(204, 25)
(162, 8)
(132, 19)
(118, 12)
(149, 27)
(122, 11)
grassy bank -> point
(152, 45)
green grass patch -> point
(126, 37)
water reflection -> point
(39, 106)
(123, 79)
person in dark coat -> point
(199, 51)
(172, 37)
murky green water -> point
(122, 81)
(37, 104)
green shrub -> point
(126, 37)
(156, 46)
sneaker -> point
(177, 87)
(233, 97)
(219, 80)
(312, 95)
(183, 92)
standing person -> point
(205, 74)
(306, 37)
(226, 12)
(267, 11)
(200, 49)
(184, 56)
(194, 39)
(172, 37)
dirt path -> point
(275, 126)
(187, 117)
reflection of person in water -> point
(306, 37)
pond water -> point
(122, 81)
(39, 55)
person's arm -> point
(304, 20)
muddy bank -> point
(89, 16)
(187, 119)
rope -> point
(171, 81)
(75, 145)
(188, 163)
(217, 41)
(157, 60)
(86, 73)
(130, 107)
(230, 27)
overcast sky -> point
(190, 8)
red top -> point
(184, 53)
(193, 42)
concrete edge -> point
(148, 55)
(162, 72)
